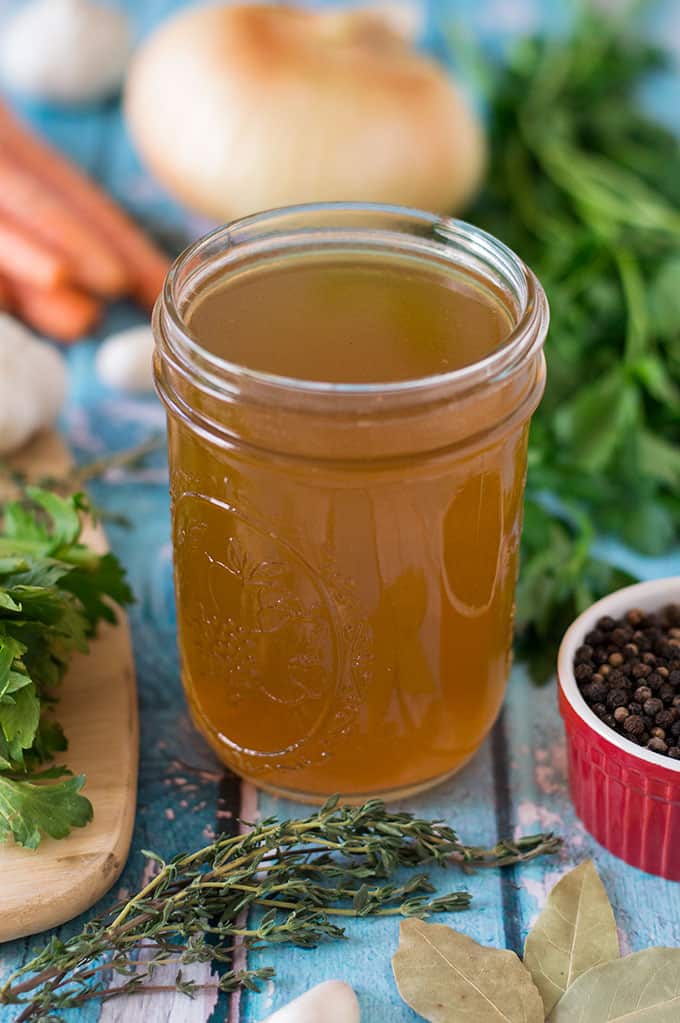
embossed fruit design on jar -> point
(349, 390)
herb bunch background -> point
(584, 185)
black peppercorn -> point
(583, 672)
(672, 614)
(666, 718)
(666, 692)
(652, 706)
(634, 725)
(628, 671)
(620, 635)
(598, 692)
(616, 698)
(643, 693)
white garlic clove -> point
(65, 51)
(124, 360)
(32, 384)
(330, 1002)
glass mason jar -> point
(346, 554)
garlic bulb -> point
(32, 384)
(241, 108)
(123, 361)
(331, 1002)
(65, 51)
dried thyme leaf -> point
(449, 978)
(640, 988)
(575, 931)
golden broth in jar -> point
(348, 412)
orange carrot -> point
(25, 257)
(65, 313)
(146, 264)
(6, 301)
(92, 262)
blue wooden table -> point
(517, 782)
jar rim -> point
(523, 340)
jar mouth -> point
(320, 226)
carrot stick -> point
(65, 313)
(30, 202)
(25, 257)
(6, 301)
(146, 264)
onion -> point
(242, 108)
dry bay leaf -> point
(640, 988)
(575, 931)
(449, 978)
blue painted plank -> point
(364, 960)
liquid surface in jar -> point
(346, 627)
(349, 320)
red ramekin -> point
(627, 797)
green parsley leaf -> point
(29, 809)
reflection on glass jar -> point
(346, 549)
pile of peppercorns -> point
(628, 671)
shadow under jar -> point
(349, 390)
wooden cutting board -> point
(98, 709)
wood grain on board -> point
(98, 709)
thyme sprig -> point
(304, 876)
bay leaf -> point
(640, 988)
(449, 978)
(575, 931)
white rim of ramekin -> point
(648, 596)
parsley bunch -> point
(53, 592)
(584, 185)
